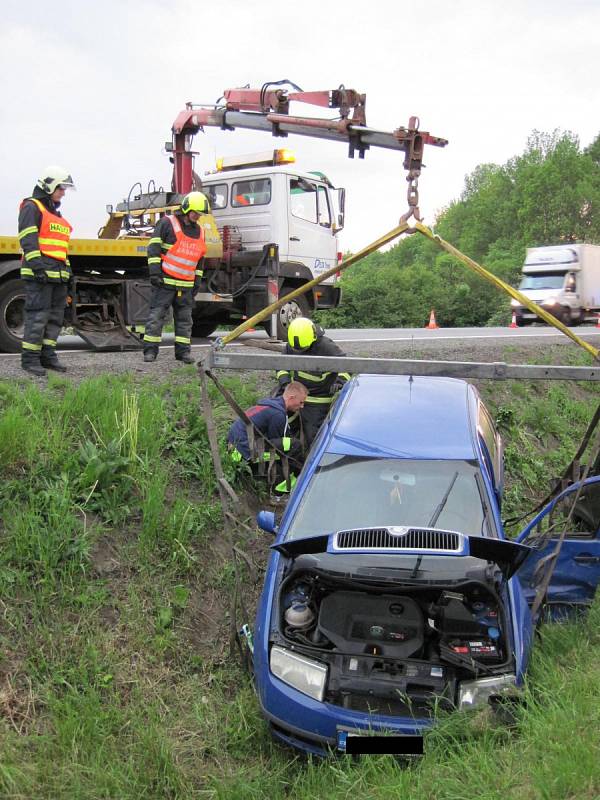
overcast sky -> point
(95, 87)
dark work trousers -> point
(44, 315)
(313, 415)
(161, 300)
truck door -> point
(577, 571)
(310, 225)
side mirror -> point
(266, 521)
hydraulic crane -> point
(268, 109)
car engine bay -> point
(400, 650)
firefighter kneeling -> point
(269, 418)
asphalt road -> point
(520, 336)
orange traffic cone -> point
(248, 330)
(432, 323)
(598, 321)
(513, 322)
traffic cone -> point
(598, 321)
(432, 323)
(248, 330)
(513, 322)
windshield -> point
(543, 280)
(349, 492)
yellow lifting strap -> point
(542, 313)
(266, 312)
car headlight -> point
(549, 301)
(515, 303)
(475, 693)
(302, 673)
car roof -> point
(247, 173)
(402, 416)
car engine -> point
(394, 653)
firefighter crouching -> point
(269, 417)
(44, 236)
(174, 255)
(307, 338)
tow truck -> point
(271, 229)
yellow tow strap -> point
(542, 313)
(266, 312)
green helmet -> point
(195, 201)
(302, 333)
(54, 177)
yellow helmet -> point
(195, 201)
(302, 333)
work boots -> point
(30, 362)
(49, 360)
(150, 354)
(186, 357)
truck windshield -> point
(543, 280)
(348, 492)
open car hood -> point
(507, 555)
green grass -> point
(115, 586)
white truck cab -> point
(301, 212)
(564, 280)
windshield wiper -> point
(434, 519)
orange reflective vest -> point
(182, 258)
(54, 233)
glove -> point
(156, 281)
(337, 385)
(39, 276)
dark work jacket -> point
(318, 383)
(31, 217)
(268, 415)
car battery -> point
(477, 649)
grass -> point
(115, 582)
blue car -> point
(391, 589)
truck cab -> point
(302, 212)
(563, 279)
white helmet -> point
(52, 177)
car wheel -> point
(298, 307)
(12, 315)
(565, 317)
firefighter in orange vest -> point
(44, 238)
(174, 255)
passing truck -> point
(564, 280)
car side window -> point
(255, 192)
(324, 210)
(217, 195)
(487, 431)
(303, 200)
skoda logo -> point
(400, 531)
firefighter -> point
(174, 255)
(307, 338)
(44, 238)
(271, 418)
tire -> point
(203, 328)
(12, 315)
(565, 317)
(298, 307)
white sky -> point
(95, 87)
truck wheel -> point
(203, 328)
(12, 315)
(298, 307)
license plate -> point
(365, 742)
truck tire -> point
(298, 307)
(203, 328)
(12, 315)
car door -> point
(577, 571)
(311, 238)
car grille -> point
(408, 539)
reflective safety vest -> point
(180, 261)
(54, 233)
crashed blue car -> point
(391, 589)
